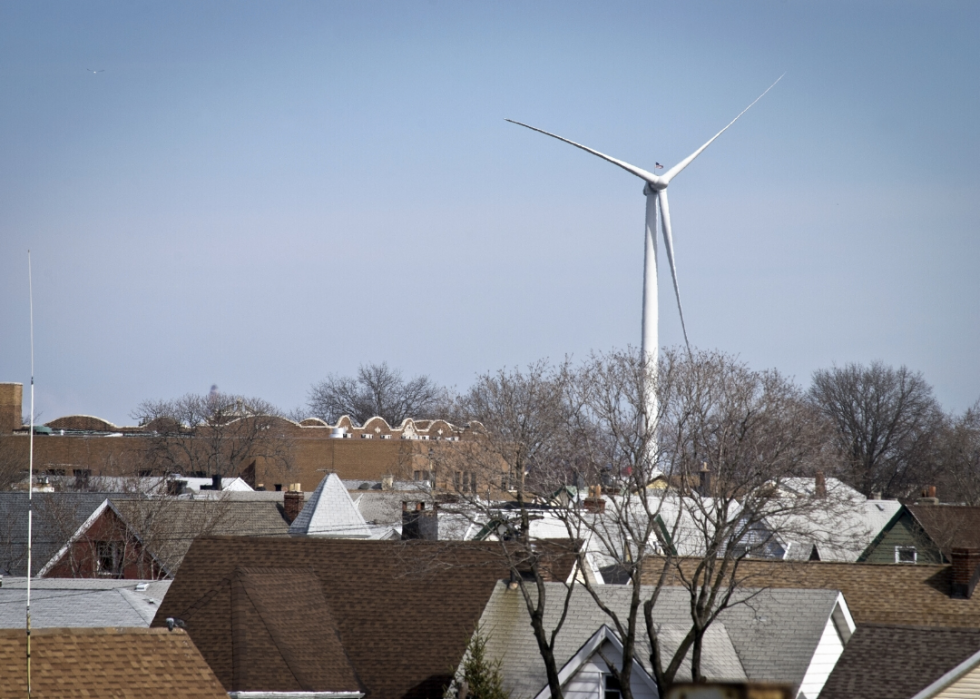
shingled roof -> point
(166, 526)
(766, 635)
(887, 661)
(875, 593)
(403, 611)
(89, 602)
(56, 517)
(949, 526)
(145, 663)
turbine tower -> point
(655, 191)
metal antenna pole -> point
(30, 477)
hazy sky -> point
(255, 195)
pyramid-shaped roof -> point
(330, 512)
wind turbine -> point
(655, 190)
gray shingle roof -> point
(896, 662)
(80, 602)
(770, 636)
(56, 517)
(330, 512)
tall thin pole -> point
(30, 478)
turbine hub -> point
(654, 187)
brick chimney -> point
(292, 502)
(966, 572)
(928, 496)
(820, 485)
(594, 503)
(11, 404)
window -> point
(108, 559)
(905, 554)
(611, 689)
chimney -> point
(966, 572)
(215, 482)
(292, 502)
(820, 485)
(387, 483)
(419, 524)
(11, 404)
(594, 505)
(176, 487)
(928, 496)
(704, 480)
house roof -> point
(56, 517)
(840, 533)
(330, 511)
(875, 593)
(770, 635)
(283, 609)
(167, 526)
(509, 637)
(403, 611)
(145, 663)
(80, 602)
(949, 526)
(885, 661)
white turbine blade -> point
(632, 169)
(672, 172)
(669, 245)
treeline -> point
(881, 429)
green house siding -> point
(901, 531)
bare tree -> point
(520, 421)
(886, 421)
(214, 435)
(959, 458)
(680, 498)
(377, 390)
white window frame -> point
(900, 549)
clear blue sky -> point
(258, 194)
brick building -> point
(417, 450)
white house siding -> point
(966, 687)
(587, 683)
(824, 658)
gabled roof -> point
(404, 611)
(56, 518)
(145, 663)
(593, 645)
(949, 526)
(885, 661)
(81, 602)
(842, 532)
(771, 635)
(331, 512)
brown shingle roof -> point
(136, 663)
(404, 611)
(949, 526)
(875, 593)
(289, 633)
(896, 662)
